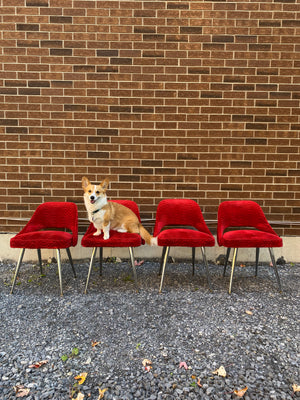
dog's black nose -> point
(92, 198)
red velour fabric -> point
(172, 216)
(116, 239)
(40, 231)
(246, 214)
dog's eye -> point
(97, 192)
(90, 191)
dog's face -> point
(92, 193)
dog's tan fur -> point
(110, 215)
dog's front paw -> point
(106, 236)
(97, 233)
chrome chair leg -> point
(100, 260)
(232, 268)
(40, 260)
(90, 269)
(206, 267)
(193, 258)
(133, 266)
(226, 260)
(256, 260)
(275, 267)
(162, 259)
(71, 261)
(17, 269)
(59, 270)
(164, 267)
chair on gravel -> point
(116, 239)
(242, 224)
(180, 223)
(54, 225)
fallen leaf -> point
(220, 371)
(249, 312)
(242, 265)
(147, 364)
(241, 392)
(81, 378)
(198, 383)
(138, 263)
(183, 365)
(38, 364)
(21, 391)
(296, 388)
(193, 377)
(80, 396)
(101, 393)
(94, 343)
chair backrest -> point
(242, 213)
(55, 215)
(131, 205)
(179, 212)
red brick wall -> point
(196, 99)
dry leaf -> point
(21, 391)
(94, 343)
(296, 388)
(80, 396)
(241, 392)
(193, 377)
(81, 378)
(147, 364)
(220, 371)
(198, 383)
(38, 364)
(101, 393)
(138, 263)
(249, 312)
(183, 365)
(242, 265)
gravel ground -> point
(187, 332)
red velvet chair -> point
(54, 225)
(116, 239)
(180, 223)
(243, 224)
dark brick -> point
(196, 30)
(107, 53)
(98, 154)
(121, 61)
(10, 122)
(28, 27)
(60, 20)
(61, 52)
(107, 132)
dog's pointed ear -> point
(85, 182)
(105, 184)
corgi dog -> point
(106, 215)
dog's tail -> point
(149, 239)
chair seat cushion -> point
(116, 239)
(250, 238)
(185, 238)
(42, 240)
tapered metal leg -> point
(100, 260)
(59, 270)
(133, 267)
(256, 260)
(226, 260)
(193, 259)
(162, 259)
(71, 261)
(232, 268)
(206, 267)
(17, 269)
(40, 260)
(275, 267)
(164, 267)
(90, 269)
